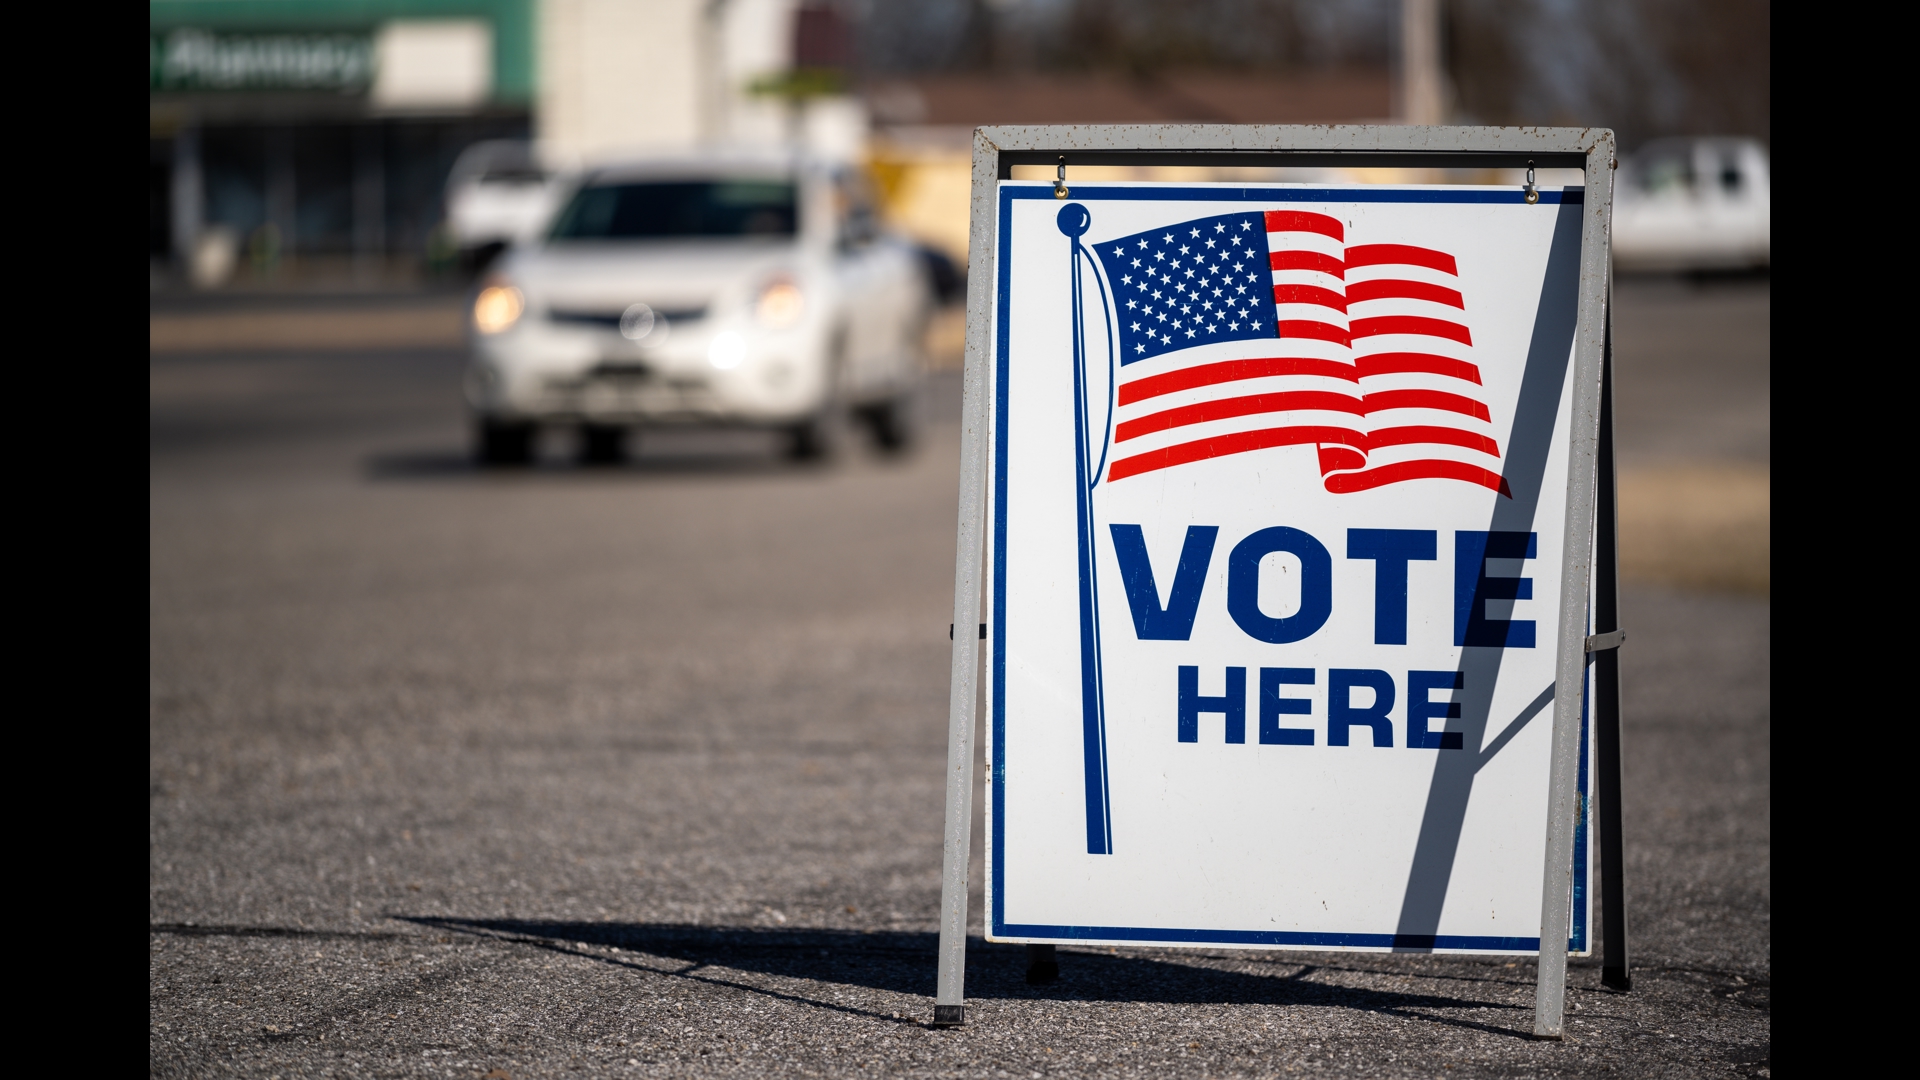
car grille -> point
(621, 369)
(611, 319)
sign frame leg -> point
(949, 1008)
(1615, 969)
(1583, 483)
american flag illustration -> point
(1370, 358)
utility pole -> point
(715, 91)
(1422, 81)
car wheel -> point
(603, 444)
(819, 437)
(503, 442)
(894, 423)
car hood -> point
(593, 276)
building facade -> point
(289, 138)
(310, 135)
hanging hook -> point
(1060, 179)
(1533, 193)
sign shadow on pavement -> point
(898, 962)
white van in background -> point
(1693, 204)
(497, 195)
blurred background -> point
(338, 173)
(399, 701)
(297, 142)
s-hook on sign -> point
(1287, 514)
(1275, 554)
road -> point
(637, 771)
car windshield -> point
(679, 208)
(1666, 167)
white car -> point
(497, 195)
(719, 290)
(1694, 204)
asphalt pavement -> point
(637, 771)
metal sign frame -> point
(1590, 479)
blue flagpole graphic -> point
(1073, 221)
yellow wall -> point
(924, 192)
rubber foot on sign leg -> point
(949, 1015)
(1616, 979)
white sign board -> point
(1278, 486)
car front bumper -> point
(561, 374)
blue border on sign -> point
(997, 769)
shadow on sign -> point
(1528, 447)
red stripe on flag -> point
(1226, 408)
(1309, 294)
(1423, 399)
(1403, 254)
(1308, 260)
(1418, 435)
(1302, 328)
(1408, 324)
(1395, 289)
(1238, 442)
(1303, 221)
(1232, 371)
(1388, 363)
(1343, 483)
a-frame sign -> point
(1287, 511)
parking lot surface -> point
(637, 770)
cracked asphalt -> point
(636, 772)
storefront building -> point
(291, 139)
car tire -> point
(820, 437)
(503, 442)
(603, 444)
(894, 423)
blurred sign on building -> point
(404, 63)
(189, 59)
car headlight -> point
(780, 304)
(497, 308)
(727, 351)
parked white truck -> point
(1693, 204)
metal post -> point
(1556, 899)
(714, 87)
(949, 1003)
(369, 200)
(1615, 971)
(282, 195)
(188, 196)
(1422, 85)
